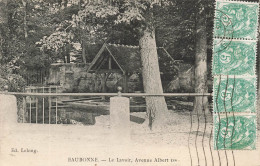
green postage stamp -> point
(234, 94)
(234, 83)
(235, 132)
(235, 19)
(232, 57)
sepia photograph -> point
(129, 82)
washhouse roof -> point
(124, 58)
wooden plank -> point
(100, 63)
(100, 71)
(109, 71)
(81, 99)
(96, 57)
(101, 108)
(115, 60)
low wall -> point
(66, 74)
(74, 78)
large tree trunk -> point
(156, 106)
(201, 103)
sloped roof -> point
(128, 57)
(91, 51)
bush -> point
(15, 82)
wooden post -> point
(37, 76)
(36, 110)
(126, 79)
(30, 108)
(41, 74)
(95, 82)
(43, 106)
(109, 63)
(49, 98)
(56, 108)
(103, 84)
(24, 108)
(28, 79)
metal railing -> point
(44, 104)
(111, 94)
(33, 101)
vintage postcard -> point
(129, 82)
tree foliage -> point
(61, 27)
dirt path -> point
(58, 145)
